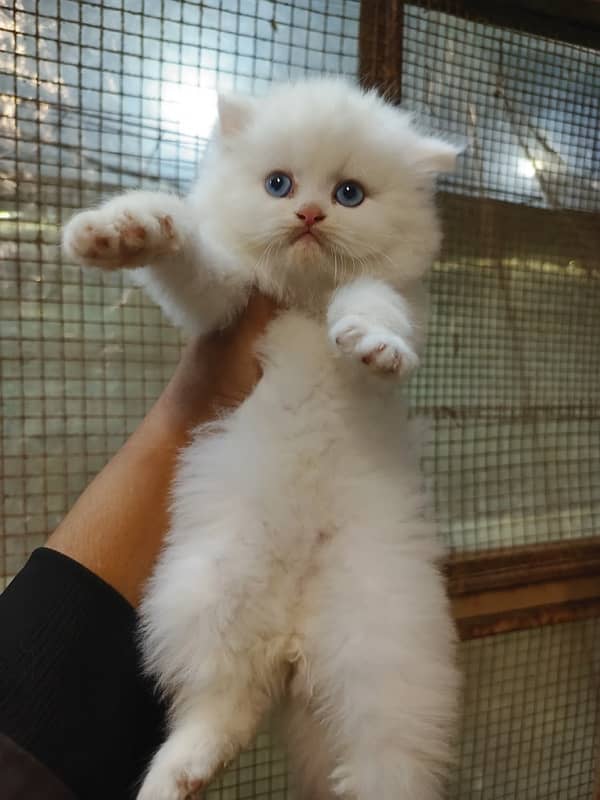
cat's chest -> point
(312, 416)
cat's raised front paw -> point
(115, 236)
(384, 352)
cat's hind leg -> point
(210, 631)
(208, 728)
(380, 646)
(311, 759)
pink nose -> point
(310, 214)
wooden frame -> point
(381, 27)
(524, 587)
(566, 21)
(515, 588)
(380, 45)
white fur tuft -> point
(235, 112)
(437, 156)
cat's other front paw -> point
(379, 349)
(114, 236)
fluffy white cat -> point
(301, 566)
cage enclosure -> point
(98, 97)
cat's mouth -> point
(306, 236)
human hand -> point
(116, 527)
(218, 371)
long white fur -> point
(301, 563)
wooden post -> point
(380, 46)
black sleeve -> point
(71, 692)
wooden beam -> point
(516, 567)
(524, 587)
(381, 29)
(380, 46)
(499, 229)
(562, 20)
(492, 613)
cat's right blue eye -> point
(278, 184)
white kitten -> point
(301, 565)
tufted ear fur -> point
(235, 112)
(434, 156)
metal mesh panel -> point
(259, 773)
(511, 378)
(530, 728)
(98, 97)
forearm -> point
(158, 236)
(116, 527)
(378, 302)
(374, 322)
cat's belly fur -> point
(292, 523)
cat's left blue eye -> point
(278, 184)
(349, 193)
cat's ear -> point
(436, 156)
(235, 112)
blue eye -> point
(278, 184)
(349, 193)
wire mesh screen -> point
(511, 378)
(512, 374)
(530, 726)
(98, 97)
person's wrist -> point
(180, 409)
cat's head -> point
(320, 182)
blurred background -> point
(99, 97)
